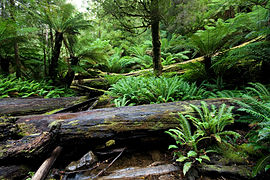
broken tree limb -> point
(26, 106)
(44, 169)
(86, 126)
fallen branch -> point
(44, 169)
(105, 169)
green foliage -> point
(142, 90)
(258, 51)
(183, 136)
(12, 87)
(259, 112)
(210, 123)
(116, 63)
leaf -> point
(205, 157)
(218, 138)
(186, 167)
(173, 147)
(199, 159)
(191, 154)
(267, 167)
(181, 158)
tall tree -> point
(62, 19)
(134, 14)
(16, 46)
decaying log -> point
(44, 169)
(13, 172)
(95, 124)
(26, 106)
(239, 171)
(141, 173)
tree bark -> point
(155, 29)
(92, 126)
(16, 46)
(4, 63)
(207, 66)
(17, 60)
(44, 169)
(55, 55)
(26, 106)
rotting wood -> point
(242, 171)
(44, 169)
(96, 124)
(88, 103)
(26, 106)
(141, 173)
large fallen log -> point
(26, 106)
(41, 132)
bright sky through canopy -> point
(81, 5)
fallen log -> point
(26, 106)
(83, 127)
(141, 173)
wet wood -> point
(44, 169)
(13, 172)
(239, 171)
(141, 173)
(26, 106)
(96, 124)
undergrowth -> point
(11, 86)
(146, 90)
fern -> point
(141, 90)
(212, 122)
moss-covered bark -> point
(25, 106)
(95, 124)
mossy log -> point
(27, 106)
(88, 126)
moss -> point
(73, 123)
(231, 154)
(53, 111)
(26, 129)
(55, 123)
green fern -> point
(212, 122)
(142, 90)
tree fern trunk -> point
(207, 65)
(55, 55)
(4, 63)
(156, 38)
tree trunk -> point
(71, 74)
(16, 47)
(55, 55)
(4, 63)
(26, 106)
(17, 60)
(95, 126)
(207, 66)
(156, 38)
